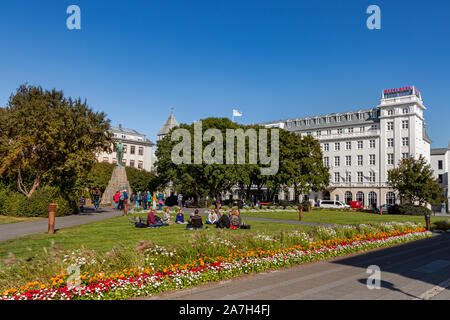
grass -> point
(338, 217)
(102, 236)
(7, 219)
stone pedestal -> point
(118, 181)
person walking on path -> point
(121, 200)
(136, 199)
(160, 201)
(154, 200)
(125, 202)
(180, 200)
(96, 197)
(116, 199)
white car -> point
(333, 204)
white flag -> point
(237, 113)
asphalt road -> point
(416, 270)
(19, 229)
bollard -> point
(51, 218)
(300, 208)
(381, 210)
(309, 208)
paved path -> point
(416, 270)
(19, 229)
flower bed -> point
(144, 281)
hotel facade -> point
(138, 150)
(360, 147)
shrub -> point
(37, 204)
(13, 203)
(442, 225)
(410, 210)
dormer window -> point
(405, 110)
(390, 112)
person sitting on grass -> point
(212, 218)
(180, 217)
(152, 220)
(224, 221)
(195, 222)
(235, 220)
(166, 216)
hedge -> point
(16, 204)
(409, 210)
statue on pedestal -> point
(119, 151)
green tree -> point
(413, 180)
(140, 180)
(47, 139)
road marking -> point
(427, 295)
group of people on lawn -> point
(232, 221)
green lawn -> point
(7, 219)
(103, 235)
(338, 217)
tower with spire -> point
(170, 123)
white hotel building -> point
(360, 147)
(138, 150)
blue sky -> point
(270, 59)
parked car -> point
(355, 204)
(334, 204)
(387, 208)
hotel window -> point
(307, 122)
(337, 161)
(371, 159)
(360, 160)
(337, 146)
(405, 110)
(350, 117)
(348, 145)
(316, 121)
(360, 116)
(338, 118)
(132, 163)
(124, 136)
(373, 127)
(141, 151)
(348, 160)
(372, 144)
(326, 161)
(327, 119)
(405, 142)
(440, 178)
(326, 147)
(140, 164)
(390, 112)
(360, 144)
(329, 132)
(340, 131)
(390, 142)
(405, 155)
(440, 165)
(350, 130)
(390, 125)
(337, 177)
(360, 176)
(133, 150)
(124, 149)
(390, 158)
(318, 133)
(362, 129)
(372, 176)
(348, 177)
(405, 124)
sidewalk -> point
(20, 229)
